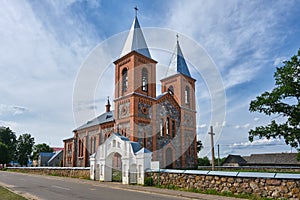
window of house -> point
(124, 80)
(144, 79)
(187, 95)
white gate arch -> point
(132, 156)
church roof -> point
(101, 119)
(135, 40)
(122, 137)
(143, 150)
(178, 63)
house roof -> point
(101, 119)
(55, 155)
(46, 154)
(135, 40)
(235, 159)
(273, 159)
(178, 63)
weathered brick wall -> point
(264, 187)
(75, 172)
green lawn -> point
(8, 195)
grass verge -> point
(214, 192)
(5, 194)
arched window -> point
(187, 95)
(144, 79)
(124, 80)
(171, 89)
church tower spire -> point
(135, 40)
(178, 63)
(107, 106)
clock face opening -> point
(145, 110)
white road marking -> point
(63, 188)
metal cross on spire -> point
(177, 37)
(136, 10)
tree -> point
(8, 138)
(24, 148)
(40, 148)
(3, 153)
(283, 101)
(203, 161)
(199, 146)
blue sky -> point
(44, 43)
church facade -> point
(164, 124)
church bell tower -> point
(135, 84)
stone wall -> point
(260, 184)
(74, 172)
(254, 168)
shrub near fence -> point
(74, 172)
(272, 185)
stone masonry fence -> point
(271, 185)
(75, 172)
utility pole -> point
(218, 155)
(212, 148)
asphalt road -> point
(56, 188)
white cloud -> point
(244, 126)
(12, 110)
(260, 142)
(237, 34)
(256, 118)
(279, 61)
(38, 66)
(239, 74)
(201, 126)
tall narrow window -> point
(94, 145)
(173, 128)
(161, 127)
(144, 79)
(81, 148)
(167, 126)
(187, 95)
(124, 80)
(145, 139)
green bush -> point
(148, 181)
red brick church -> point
(164, 124)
